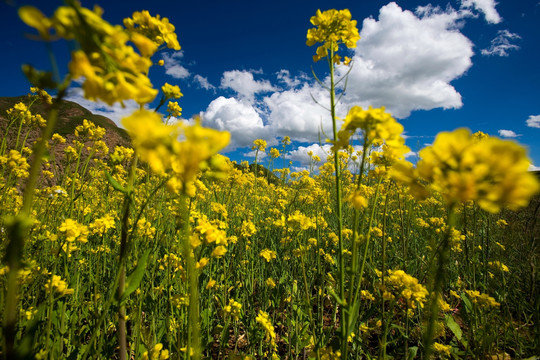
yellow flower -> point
(201, 263)
(234, 308)
(270, 283)
(443, 350)
(333, 28)
(219, 251)
(499, 266)
(482, 299)
(102, 225)
(407, 287)
(263, 319)
(247, 229)
(211, 283)
(376, 125)
(157, 29)
(74, 231)
(171, 91)
(35, 18)
(259, 145)
(174, 109)
(463, 168)
(268, 255)
(58, 285)
(113, 71)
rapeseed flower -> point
(263, 319)
(58, 285)
(268, 255)
(463, 168)
(333, 28)
(407, 287)
(234, 309)
(74, 231)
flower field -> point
(164, 248)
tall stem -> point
(438, 282)
(124, 243)
(338, 207)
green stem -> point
(124, 244)
(438, 282)
(337, 167)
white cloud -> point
(534, 121)
(508, 133)
(284, 76)
(301, 153)
(260, 155)
(203, 82)
(115, 112)
(533, 167)
(410, 154)
(487, 7)
(406, 61)
(173, 67)
(238, 117)
(244, 84)
(500, 45)
(294, 113)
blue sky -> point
(245, 67)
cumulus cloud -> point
(173, 67)
(487, 7)
(533, 121)
(284, 76)
(534, 168)
(203, 82)
(301, 156)
(406, 61)
(238, 117)
(500, 45)
(508, 133)
(294, 113)
(244, 84)
(410, 154)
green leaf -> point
(454, 327)
(353, 316)
(412, 352)
(115, 183)
(134, 279)
(467, 302)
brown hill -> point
(70, 116)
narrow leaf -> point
(134, 279)
(115, 183)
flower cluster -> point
(113, 71)
(74, 231)
(407, 287)
(58, 285)
(462, 167)
(158, 145)
(157, 29)
(89, 130)
(266, 324)
(16, 163)
(101, 225)
(376, 125)
(268, 255)
(234, 309)
(333, 28)
(483, 300)
(156, 353)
